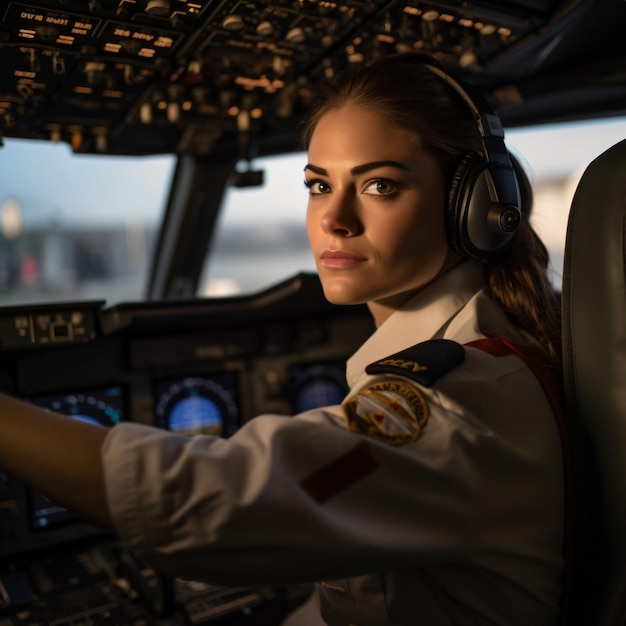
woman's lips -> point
(340, 259)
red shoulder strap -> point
(553, 390)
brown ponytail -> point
(518, 280)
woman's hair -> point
(410, 96)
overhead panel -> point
(150, 76)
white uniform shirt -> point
(462, 524)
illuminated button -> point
(265, 28)
(233, 22)
(159, 8)
(296, 35)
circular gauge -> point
(316, 386)
(197, 405)
(102, 407)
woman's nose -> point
(339, 217)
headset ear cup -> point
(480, 225)
(457, 189)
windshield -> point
(77, 227)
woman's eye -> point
(380, 187)
(316, 187)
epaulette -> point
(424, 362)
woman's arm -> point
(56, 455)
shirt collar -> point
(421, 318)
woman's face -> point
(375, 216)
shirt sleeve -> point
(304, 499)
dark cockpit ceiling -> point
(204, 76)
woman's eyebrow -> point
(359, 169)
(315, 169)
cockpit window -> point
(261, 236)
(77, 227)
(556, 157)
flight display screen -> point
(103, 406)
(195, 405)
(316, 385)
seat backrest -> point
(594, 353)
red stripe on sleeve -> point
(340, 474)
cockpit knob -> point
(158, 8)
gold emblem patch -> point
(393, 411)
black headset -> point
(484, 203)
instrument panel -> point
(192, 367)
(196, 367)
